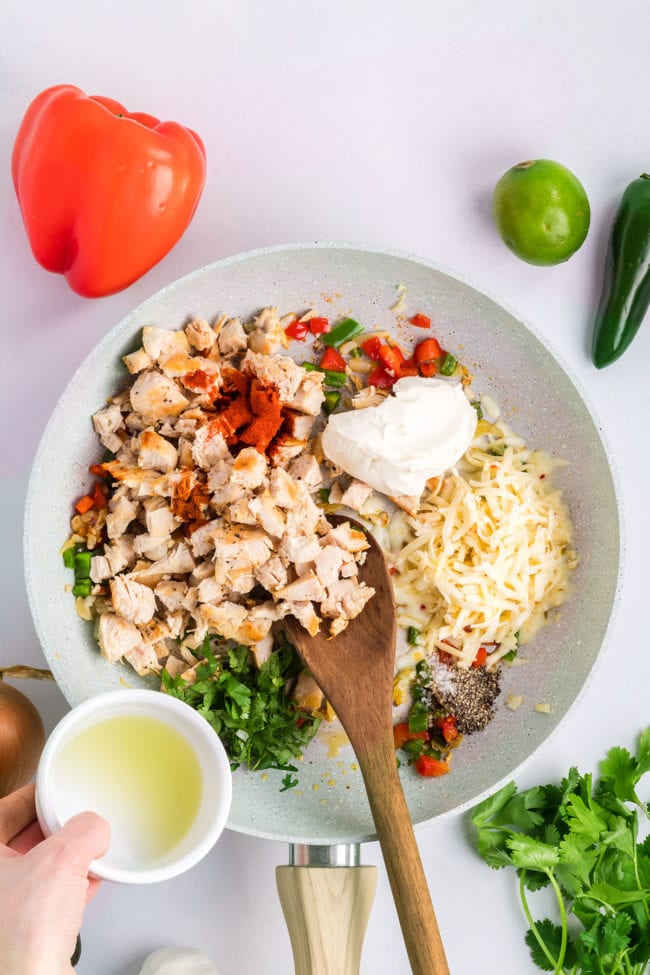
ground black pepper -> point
(467, 694)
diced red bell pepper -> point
(98, 470)
(297, 330)
(371, 347)
(381, 379)
(408, 368)
(427, 350)
(391, 357)
(333, 360)
(428, 369)
(318, 326)
(84, 504)
(448, 727)
(421, 321)
(426, 765)
(402, 734)
(480, 657)
(99, 497)
(445, 658)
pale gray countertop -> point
(379, 123)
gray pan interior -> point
(536, 396)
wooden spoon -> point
(355, 672)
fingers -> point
(27, 839)
(17, 811)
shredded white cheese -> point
(489, 552)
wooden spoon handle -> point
(326, 910)
(402, 858)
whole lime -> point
(541, 211)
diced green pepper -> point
(69, 557)
(334, 378)
(448, 367)
(82, 565)
(477, 406)
(82, 588)
(356, 353)
(412, 635)
(414, 747)
(332, 400)
(311, 367)
(343, 332)
(419, 717)
(510, 655)
(324, 495)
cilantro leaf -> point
(483, 813)
(531, 853)
(551, 935)
(620, 770)
(288, 782)
(643, 753)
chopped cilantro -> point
(249, 708)
(288, 782)
(579, 838)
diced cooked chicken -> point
(209, 590)
(285, 449)
(156, 396)
(239, 550)
(161, 342)
(262, 649)
(283, 489)
(132, 601)
(351, 539)
(232, 337)
(299, 425)
(330, 564)
(306, 516)
(155, 631)
(234, 622)
(204, 570)
(171, 593)
(185, 458)
(116, 636)
(309, 396)
(174, 666)
(267, 335)
(276, 370)
(209, 446)
(407, 502)
(268, 515)
(304, 613)
(178, 561)
(159, 518)
(199, 334)
(106, 422)
(143, 659)
(156, 453)
(307, 694)
(99, 568)
(137, 361)
(121, 514)
(231, 479)
(303, 588)
(135, 423)
(345, 599)
(151, 547)
(356, 494)
(306, 469)
(201, 540)
(299, 548)
(272, 574)
(241, 513)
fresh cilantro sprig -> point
(582, 839)
(250, 708)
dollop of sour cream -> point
(419, 432)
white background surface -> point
(384, 123)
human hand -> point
(44, 885)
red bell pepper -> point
(297, 330)
(448, 727)
(428, 369)
(391, 356)
(426, 765)
(333, 361)
(427, 350)
(381, 379)
(104, 193)
(408, 368)
(421, 321)
(371, 347)
(480, 658)
(318, 326)
(402, 733)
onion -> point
(22, 734)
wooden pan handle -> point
(326, 910)
(402, 858)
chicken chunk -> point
(298, 425)
(156, 453)
(137, 361)
(161, 342)
(306, 587)
(116, 636)
(143, 659)
(232, 337)
(278, 371)
(307, 694)
(121, 514)
(150, 547)
(177, 562)
(160, 520)
(272, 574)
(209, 446)
(268, 515)
(263, 649)
(239, 550)
(201, 335)
(231, 479)
(157, 396)
(304, 613)
(346, 537)
(131, 600)
(307, 470)
(267, 335)
(299, 548)
(309, 396)
(330, 563)
(345, 600)
(356, 494)
(234, 622)
(106, 422)
(171, 593)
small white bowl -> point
(61, 794)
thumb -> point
(85, 837)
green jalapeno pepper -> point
(626, 288)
